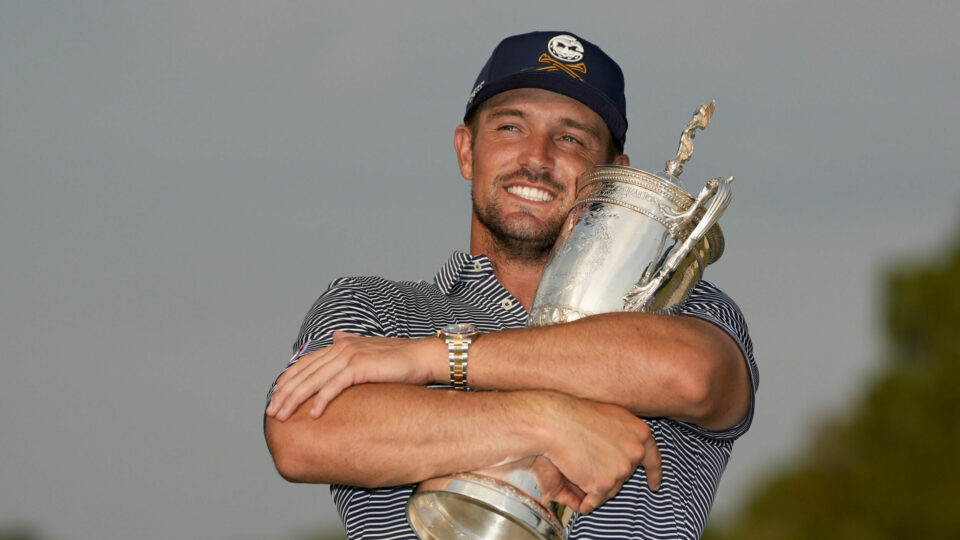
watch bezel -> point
(459, 330)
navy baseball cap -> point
(560, 62)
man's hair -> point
(613, 147)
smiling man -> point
(630, 416)
(534, 144)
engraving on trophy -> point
(591, 239)
(547, 315)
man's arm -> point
(657, 366)
(376, 435)
(373, 435)
(654, 365)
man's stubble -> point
(522, 240)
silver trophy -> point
(633, 241)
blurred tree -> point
(17, 532)
(890, 469)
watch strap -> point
(458, 349)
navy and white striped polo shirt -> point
(466, 290)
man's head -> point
(560, 62)
(530, 133)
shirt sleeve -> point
(345, 306)
(709, 303)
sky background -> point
(180, 180)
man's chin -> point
(530, 230)
(534, 242)
(523, 231)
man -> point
(546, 107)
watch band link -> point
(458, 364)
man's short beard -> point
(523, 244)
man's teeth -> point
(529, 193)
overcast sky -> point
(179, 181)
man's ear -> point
(463, 142)
(622, 159)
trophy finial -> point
(700, 120)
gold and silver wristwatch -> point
(458, 338)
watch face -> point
(461, 329)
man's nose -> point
(537, 153)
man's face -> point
(529, 148)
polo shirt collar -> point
(462, 267)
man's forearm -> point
(378, 435)
(655, 366)
(390, 434)
(677, 367)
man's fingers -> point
(285, 388)
(305, 377)
(289, 377)
(653, 464)
(298, 366)
(308, 359)
(307, 384)
(294, 391)
(351, 359)
(591, 502)
(568, 497)
(579, 493)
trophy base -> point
(476, 507)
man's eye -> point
(571, 139)
(507, 127)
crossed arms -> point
(570, 399)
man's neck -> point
(520, 278)
(520, 275)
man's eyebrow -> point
(570, 122)
(497, 113)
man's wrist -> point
(536, 419)
(439, 363)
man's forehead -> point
(536, 99)
(528, 102)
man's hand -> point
(351, 360)
(586, 451)
(554, 485)
(599, 447)
(551, 482)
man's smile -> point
(531, 193)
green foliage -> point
(891, 468)
(17, 532)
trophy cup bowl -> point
(633, 241)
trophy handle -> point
(718, 193)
